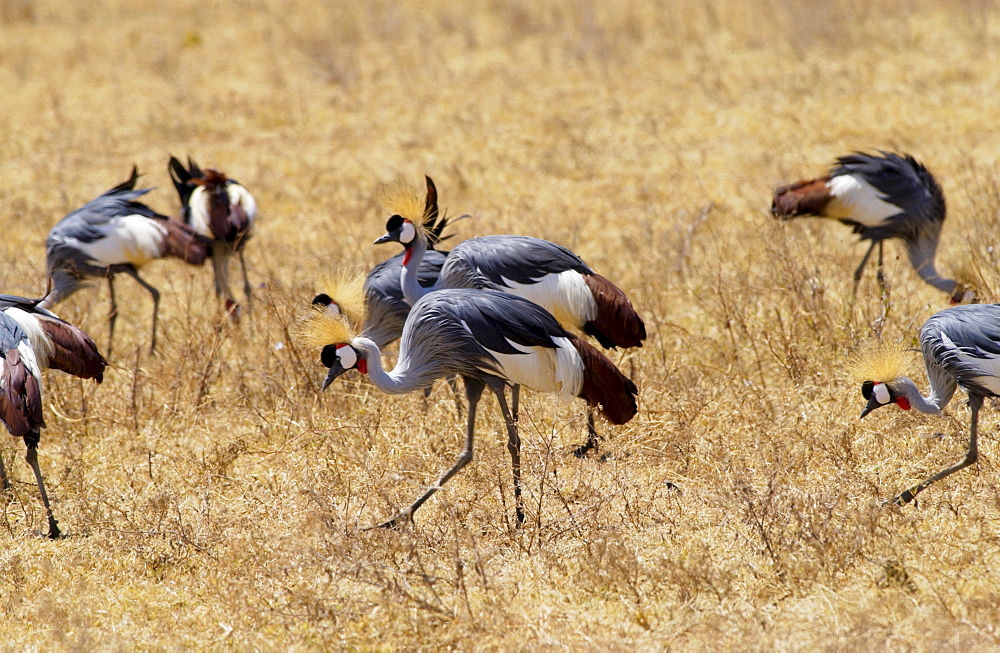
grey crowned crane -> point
(961, 347)
(489, 338)
(113, 234)
(543, 272)
(52, 343)
(21, 403)
(223, 211)
(57, 344)
(881, 196)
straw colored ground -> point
(212, 497)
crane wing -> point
(965, 342)
(900, 181)
(495, 261)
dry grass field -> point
(213, 498)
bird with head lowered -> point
(490, 339)
(961, 347)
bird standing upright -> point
(385, 304)
(961, 347)
(490, 339)
(223, 211)
(21, 403)
(112, 234)
(543, 272)
(881, 196)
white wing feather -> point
(857, 200)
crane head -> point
(881, 394)
(399, 230)
(340, 358)
(964, 295)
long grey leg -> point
(113, 315)
(221, 257)
(32, 458)
(515, 401)
(156, 303)
(860, 270)
(246, 282)
(880, 274)
(4, 481)
(473, 391)
(220, 263)
(975, 403)
(592, 436)
(513, 446)
(453, 383)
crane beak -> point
(335, 370)
(872, 405)
(387, 238)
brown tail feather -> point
(808, 197)
(73, 351)
(604, 385)
(182, 242)
(617, 324)
(21, 398)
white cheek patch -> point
(333, 308)
(347, 356)
(407, 232)
(881, 393)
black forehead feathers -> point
(394, 223)
(322, 299)
(866, 389)
(329, 355)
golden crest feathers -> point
(321, 327)
(347, 290)
(404, 200)
(881, 362)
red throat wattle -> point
(903, 403)
(363, 368)
(407, 255)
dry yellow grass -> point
(212, 497)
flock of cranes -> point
(114, 233)
(498, 311)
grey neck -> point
(412, 290)
(931, 404)
(393, 382)
(922, 258)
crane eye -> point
(866, 390)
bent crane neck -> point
(395, 382)
(922, 259)
(931, 404)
